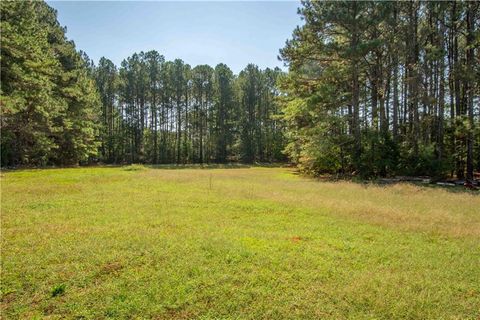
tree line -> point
(382, 88)
(157, 111)
(59, 108)
(373, 88)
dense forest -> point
(157, 111)
(373, 89)
(59, 108)
(383, 88)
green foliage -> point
(424, 163)
(370, 85)
(49, 102)
(260, 131)
(380, 155)
(157, 111)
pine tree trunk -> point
(470, 86)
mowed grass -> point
(239, 243)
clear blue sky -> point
(235, 33)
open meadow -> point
(233, 243)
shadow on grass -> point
(380, 183)
(140, 166)
(35, 168)
(210, 166)
(453, 189)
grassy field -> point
(237, 243)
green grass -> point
(239, 243)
